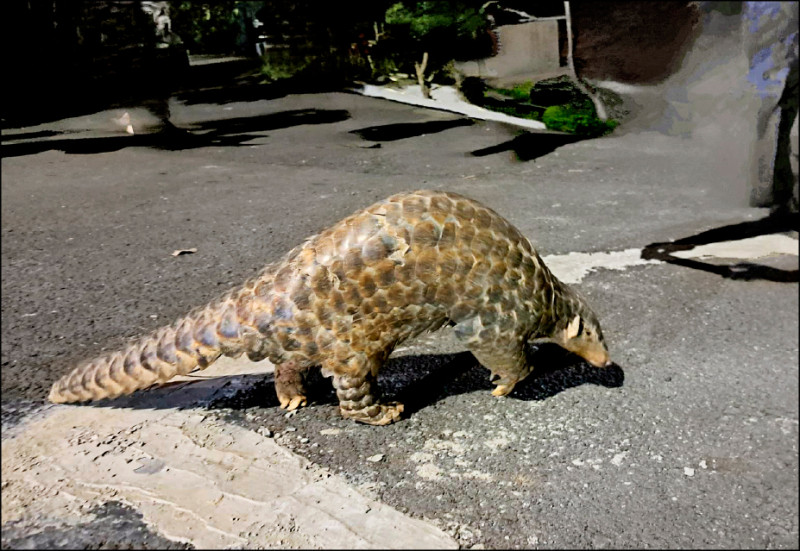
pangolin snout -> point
(601, 361)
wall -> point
(525, 49)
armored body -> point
(346, 297)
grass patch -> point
(520, 92)
(535, 115)
(577, 118)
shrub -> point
(282, 64)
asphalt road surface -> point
(689, 440)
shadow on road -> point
(30, 135)
(529, 145)
(403, 130)
(741, 270)
(556, 370)
(272, 121)
(239, 92)
(417, 381)
(526, 146)
(220, 132)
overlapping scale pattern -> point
(350, 294)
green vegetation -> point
(430, 35)
(556, 102)
(516, 112)
(207, 28)
(428, 22)
(283, 64)
(521, 92)
(579, 119)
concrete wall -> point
(524, 49)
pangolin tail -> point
(196, 340)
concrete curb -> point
(445, 98)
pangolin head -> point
(583, 336)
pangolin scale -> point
(347, 296)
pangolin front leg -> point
(507, 363)
(290, 384)
(359, 395)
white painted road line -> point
(573, 267)
(745, 249)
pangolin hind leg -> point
(290, 384)
(359, 394)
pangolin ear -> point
(574, 327)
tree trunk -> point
(420, 68)
(582, 86)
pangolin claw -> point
(297, 401)
(292, 403)
(502, 390)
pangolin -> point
(347, 296)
